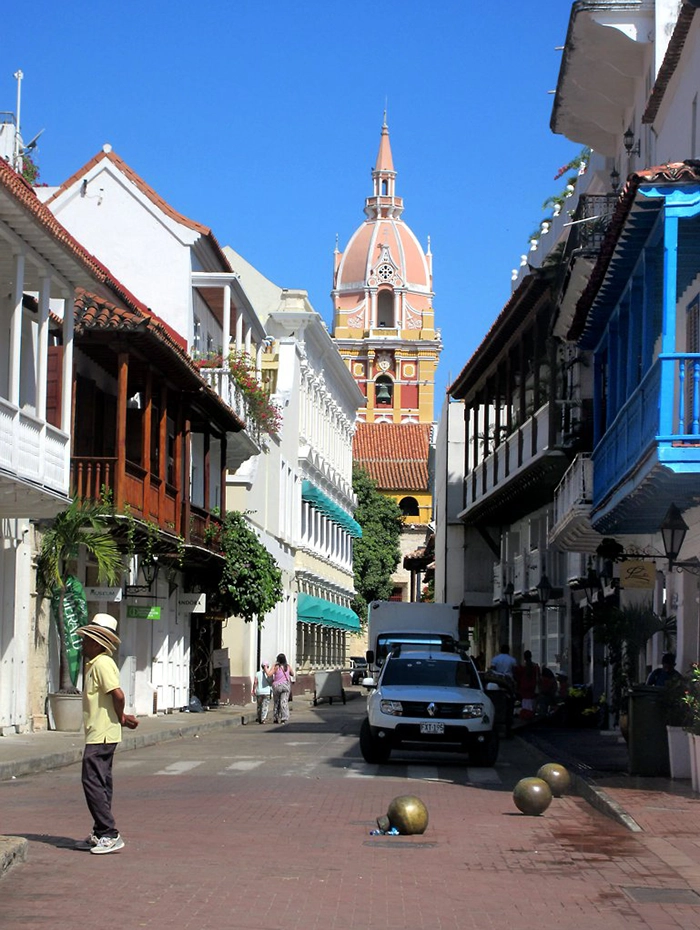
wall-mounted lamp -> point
(628, 141)
(149, 568)
(509, 595)
(614, 180)
(673, 530)
(591, 584)
(544, 591)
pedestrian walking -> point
(262, 691)
(504, 663)
(103, 718)
(527, 677)
(282, 677)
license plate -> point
(432, 727)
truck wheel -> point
(371, 752)
(485, 754)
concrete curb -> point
(13, 849)
(585, 788)
(135, 740)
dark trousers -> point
(97, 785)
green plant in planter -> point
(83, 523)
(691, 700)
(624, 631)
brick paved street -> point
(268, 828)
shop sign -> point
(103, 594)
(192, 603)
(143, 613)
(637, 574)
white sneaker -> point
(107, 844)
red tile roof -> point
(395, 455)
(27, 199)
(672, 57)
(674, 173)
(146, 189)
(94, 314)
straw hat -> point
(103, 629)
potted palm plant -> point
(83, 523)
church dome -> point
(384, 250)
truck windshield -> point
(430, 672)
(423, 642)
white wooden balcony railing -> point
(33, 450)
(510, 457)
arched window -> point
(383, 391)
(409, 507)
(385, 308)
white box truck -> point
(412, 626)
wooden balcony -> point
(146, 497)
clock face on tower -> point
(385, 272)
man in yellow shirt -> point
(103, 717)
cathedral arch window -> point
(385, 309)
(409, 507)
(383, 390)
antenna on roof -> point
(17, 155)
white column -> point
(67, 373)
(258, 361)
(227, 324)
(43, 346)
(239, 331)
(248, 335)
(16, 331)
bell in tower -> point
(384, 390)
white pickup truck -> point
(411, 626)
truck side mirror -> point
(369, 655)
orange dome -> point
(383, 251)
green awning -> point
(312, 609)
(316, 497)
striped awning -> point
(312, 609)
(321, 501)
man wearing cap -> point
(103, 717)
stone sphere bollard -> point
(532, 796)
(557, 777)
(408, 814)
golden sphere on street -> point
(408, 814)
(532, 796)
(557, 777)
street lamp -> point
(544, 590)
(591, 586)
(673, 530)
(509, 595)
(150, 567)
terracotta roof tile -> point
(395, 455)
(94, 313)
(672, 57)
(25, 196)
(146, 189)
(674, 173)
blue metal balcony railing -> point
(664, 411)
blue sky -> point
(262, 120)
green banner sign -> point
(75, 615)
(143, 613)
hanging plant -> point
(251, 581)
(264, 414)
